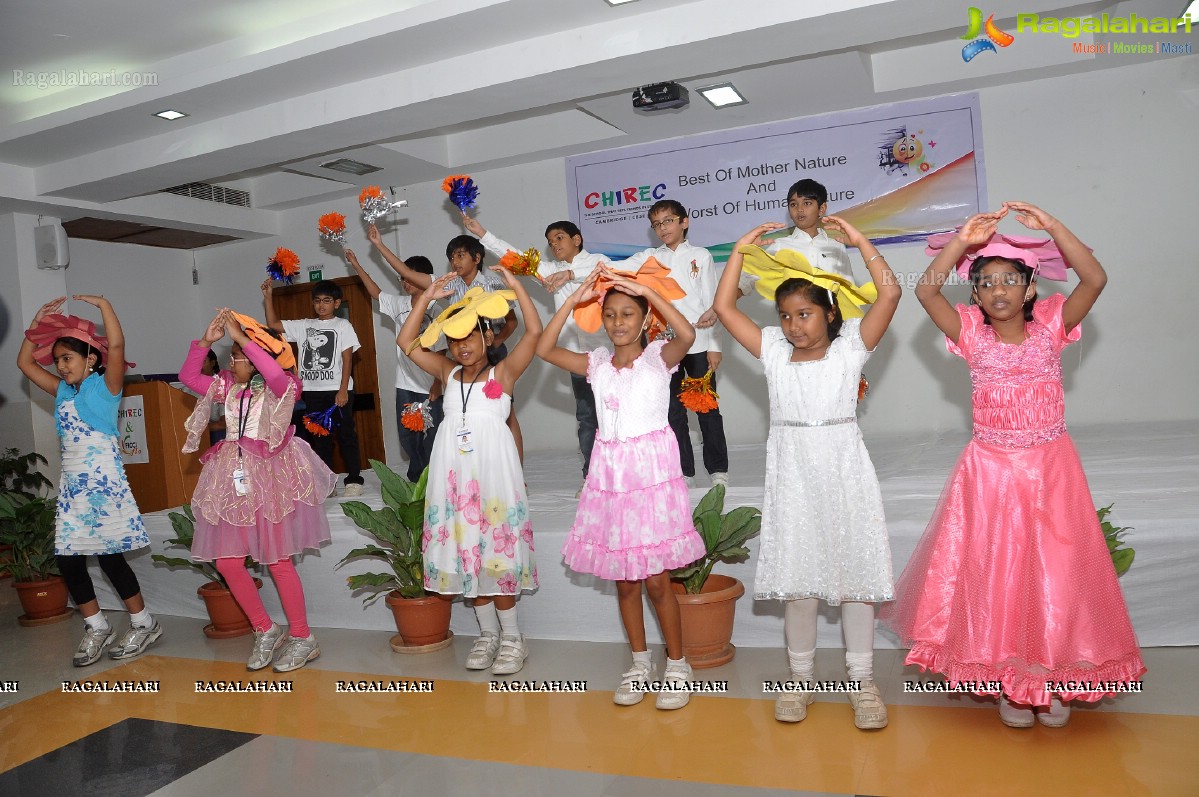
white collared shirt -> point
(821, 251)
(692, 268)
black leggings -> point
(79, 582)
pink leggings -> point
(287, 581)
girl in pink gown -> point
(1012, 582)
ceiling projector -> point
(660, 97)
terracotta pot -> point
(708, 621)
(43, 601)
(421, 621)
(228, 619)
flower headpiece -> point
(462, 190)
(1039, 254)
(284, 265)
(652, 274)
(279, 349)
(461, 317)
(772, 271)
(332, 227)
(55, 326)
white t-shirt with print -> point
(409, 375)
(321, 344)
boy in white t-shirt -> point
(412, 384)
(327, 345)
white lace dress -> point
(823, 530)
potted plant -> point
(1121, 557)
(707, 602)
(228, 619)
(19, 474)
(422, 619)
(27, 524)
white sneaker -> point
(1015, 715)
(720, 478)
(265, 644)
(869, 711)
(675, 692)
(511, 658)
(297, 653)
(641, 675)
(352, 490)
(482, 653)
(135, 641)
(92, 646)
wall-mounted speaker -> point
(50, 245)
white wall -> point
(1109, 152)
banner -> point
(131, 428)
(897, 172)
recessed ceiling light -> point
(170, 115)
(722, 95)
(350, 166)
(619, 2)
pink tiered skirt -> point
(634, 516)
(1012, 581)
(282, 515)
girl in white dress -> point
(823, 532)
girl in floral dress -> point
(478, 538)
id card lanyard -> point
(241, 483)
(465, 446)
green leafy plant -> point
(19, 473)
(1121, 557)
(184, 524)
(27, 524)
(398, 526)
(724, 535)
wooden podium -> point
(170, 476)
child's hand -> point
(507, 276)
(1031, 216)
(979, 228)
(626, 285)
(97, 301)
(707, 319)
(216, 329)
(352, 258)
(754, 236)
(714, 358)
(342, 398)
(439, 288)
(233, 329)
(554, 282)
(851, 234)
(586, 292)
(49, 308)
(372, 235)
(473, 226)
(268, 287)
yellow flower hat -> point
(457, 320)
(773, 270)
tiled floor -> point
(463, 739)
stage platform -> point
(1148, 470)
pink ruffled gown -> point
(634, 516)
(283, 513)
(1012, 581)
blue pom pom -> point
(463, 193)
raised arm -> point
(743, 328)
(277, 380)
(114, 369)
(29, 366)
(879, 315)
(519, 357)
(433, 363)
(268, 299)
(189, 372)
(684, 334)
(371, 286)
(548, 348)
(977, 230)
(417, 278)
(1091, 276)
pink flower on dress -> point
(526, 534)
(470, 503)
(426, 537)
(612, 402)
(507, 584)
(505, 540)
(492, 389)
(443, 535)
(471, 560)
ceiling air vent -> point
(212, 193)
(350, 166)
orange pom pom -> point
(331, 224)
(413, 421)
(522, 264)
(863, 388)
(369, 193)
(314, 428)
(447, 184)
(697, 394)
(289, 261)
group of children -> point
(992, 593)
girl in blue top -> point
(96, 511)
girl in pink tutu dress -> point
(1012, 581)
(634, 518)
(261, 491)
(824, 534)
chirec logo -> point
(995, 36)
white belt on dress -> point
(827, 422)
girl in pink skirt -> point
(634, 518)
(1012, 581)
(261, 492)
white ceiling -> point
(422, 88)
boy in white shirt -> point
(327, 345)
(692, 268)
(562, 276)
(807, 204)
(412, 384)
